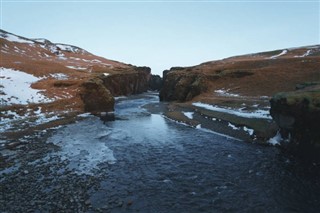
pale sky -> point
(163, 34)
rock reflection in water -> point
(107, 116)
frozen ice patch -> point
(84, 151)
(238, 112)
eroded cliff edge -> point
(297, 114)
(98, 92)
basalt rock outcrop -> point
(96, 97)
(155, 83)
(298, 115)
(134, 80)
(98, 92)
(181, 86)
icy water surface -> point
(143, 162)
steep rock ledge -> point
(98, 92)
(181, 86)
(133, 81)
(298, 116)
(155, 83)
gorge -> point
(203, 138)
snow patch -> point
(304, 55)
(233, 126)
(76, 68)
(223, 92)
(17, 88)
(276, 139)
(59, 76)
(280, 54)
(264, 114)
(10, 119)
(188, 114)
(13, 38)
(248, 130)
(106, 74)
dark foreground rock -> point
(96, 97)
(298, 116)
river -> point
(143, 162)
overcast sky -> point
(162, 34)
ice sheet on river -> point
(86, 150)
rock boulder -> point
(96, 97)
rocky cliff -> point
(252, 75)
(297, 114)
(62, 77)
(155, 83)
(181, 86)
(235, 93)
(135, 80)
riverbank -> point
(237, 120)
(144, 162)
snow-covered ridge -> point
(70, 48)
(13, 38)
(264, 114)
(46, 44)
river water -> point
(143, 162)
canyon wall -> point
(297, 114)
(98, 93)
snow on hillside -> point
(304, 55)
(69, 48)
(282, 53)
(15, 88)
(264, 114)
(14, 38)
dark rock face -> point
(98, 93)
(128, 83)
(298, 116)
(181, 86)
(155, 83)
(96, 97)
